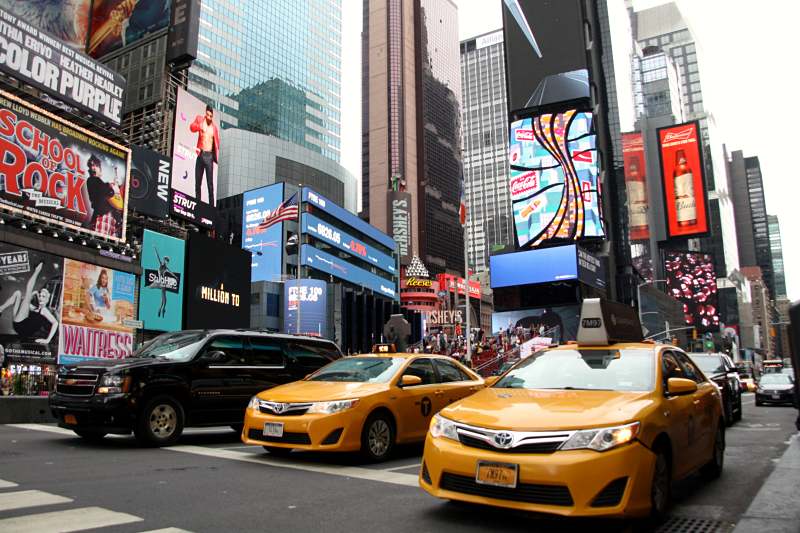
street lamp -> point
(639, 294)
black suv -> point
(720, 369)
(185, 378)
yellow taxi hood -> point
(533, 410)
(320, 391)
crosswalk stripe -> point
(167, 530)
(7, 484)
(66, 521)
(43, 427)
(28, 498)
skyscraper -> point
(776, 248)
(484, 116)
(411, 139)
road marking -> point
(243, 447)
(168, 530)
(43, 427)
(7, 484)
(406, 467)
(384, 476)
(66, 521)
(753, 429)
(28, 498)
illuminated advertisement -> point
(98, 302)
(118, 23)
(685, 199)
(533, 266)
(692, 280)
(161, 283)
(341, 269)
(312, 297)
(317, 200)
(195, 154)
(30, 304)
(635, 185)
(149, 190)
(558, 323)
(451, 283)
(347, 243)
(67, 20)
(554, 179)
(56, 172)
(264, 212)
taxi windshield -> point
(360, 370)
(614, 370)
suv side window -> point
(449, 372)
(310, 354)
(692, 372)
(232, 347)
(266, 351)
(423, 369)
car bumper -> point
(110, 414)
(320, 432)
(782, 397)
(449, 470)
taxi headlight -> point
(330, 408)
(602, 439)
(254, 403)
(442, 427)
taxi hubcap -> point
(660, 483)
(379, 435)
(162, 420)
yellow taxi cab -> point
(600, 427)
(364, 403)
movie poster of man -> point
(118, 23)
(67, 20)
(30, 304)
(54, 171)
(97, 303)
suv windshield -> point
(178, 346)
(360, 370)
(775, 379)
(709, 364)
(618, 370)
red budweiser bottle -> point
(683, 183)
(637, 201)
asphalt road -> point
(52, 480)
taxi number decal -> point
(425, 406)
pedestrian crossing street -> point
(14, 498)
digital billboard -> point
(342, 240)
(399, 214)
(161, 283)
(559, 323)
(692, 280)
(545, 52)
(312, 297)
(316, 200)
(30, 304)
(217, 286)
(118, 23)
(97, 304)
(195, 154)
(636, 185)
(149, 190)
(67, 20)
(553, 182)
(264, 212)
(685, 198)
(56, 172)
(184, 26)
(341, 269)
(30, 54)
(533, 266)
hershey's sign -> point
(400, 223)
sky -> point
(747, 54)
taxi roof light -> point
(384, 348)
(604, 322)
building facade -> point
(776, 249)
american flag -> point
(288, 210)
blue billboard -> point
(312, 297)
(262, 231)
(316, 199)
(534, 266)
(161, 284)
(347, 243)
(334, 266)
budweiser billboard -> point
(685, 198)
(636, 185)
(56, 172)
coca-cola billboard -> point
(685, 198)
(636, 185)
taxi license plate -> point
(776, 396)
(70, 419)
(273, 429)
(497, 474)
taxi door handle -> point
(439, 392)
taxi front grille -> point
(287, 438)
(524, 492)
(283, 409)
(541, 447)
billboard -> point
(312, 297)
(400, 221)
(118, 23)
(685, 198)
(184, 28)
(34, 57)
(636, 185)
(97, 304)
(56, 172)
(217, 286)
(264, 212)
(559, 323)
(554, 186)
(345, 242)
(30, 304)
(591, 269)
(341, 269)
(448, 282)
(195, 154)
(66, 20)
(692, 280)
(161, 284)
(149, 190)
(545, 52)
(533, 266)
(316, 200)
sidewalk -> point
(776, 507)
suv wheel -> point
(728, 405)
(91, 436)
(160, 423)
(377, 438)
(738, 416)
(713, 468)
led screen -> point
(692, 280)
(635, 185)
(533, 266)
(120, 23)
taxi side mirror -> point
(409, 381)
(680, 386)
(491, 380)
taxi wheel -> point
(377, 438)
(713, 469)
(661, 489)
(278, 452)
(160, 423)
(91, 436)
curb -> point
(775, 508)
